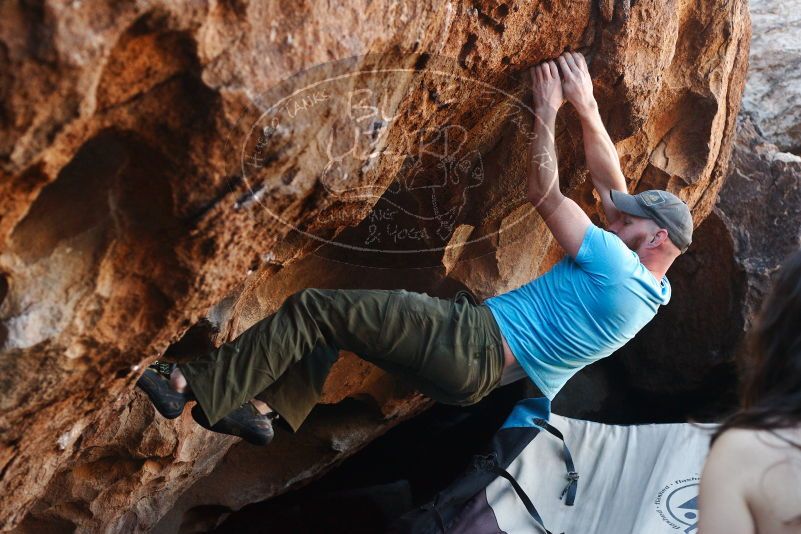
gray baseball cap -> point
(666, 209)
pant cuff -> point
(293, 419)
(199, 392)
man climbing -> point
(609, 285)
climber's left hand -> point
(576, 81)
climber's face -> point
(635, 232)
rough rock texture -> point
(761, 208)
(773, 91)
(135, 200)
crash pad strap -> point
(523, 497)
(489, 464)
(572, 475)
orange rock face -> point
(166, 162)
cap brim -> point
(628, 204)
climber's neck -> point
(657, 264)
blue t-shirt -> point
(580, 311)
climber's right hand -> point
(546, 88)
(576, 81)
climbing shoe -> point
(155, 382)
(245, 422)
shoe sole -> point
(230, 427)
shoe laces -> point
(162, 368)
(272, 415)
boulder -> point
(773, 91)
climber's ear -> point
(658, 238)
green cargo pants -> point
(449, 349)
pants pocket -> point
(389, 320)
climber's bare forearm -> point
(563, 217)
(602, 158)
(543, 171)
